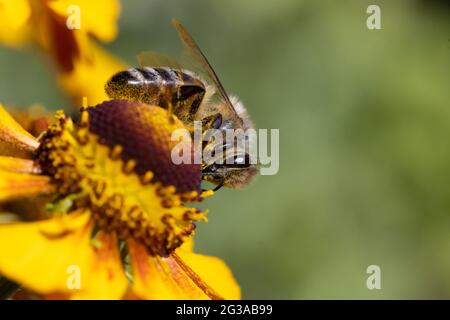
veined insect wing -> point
(202, 63)
(155, 59)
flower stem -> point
(7, 288)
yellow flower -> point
(83, 67)
(35, 118)
(22, 20)
(120, 225)
(14, 22)
(90, 73)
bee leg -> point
(219, 186)
(214, 122)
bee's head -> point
(235, 173)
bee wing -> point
(155, 59)
(205, 67)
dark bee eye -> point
(217, 121)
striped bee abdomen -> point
(158, 86)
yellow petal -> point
(55, 258)
(92, 69)
(214, 272)
(98, 18)
(37, 255)
(160, 278)
(156, 277)
(18, 165)
(13, 134)
(14, 22)
(17, 185)
(7, 149)
(35, 118)
(106, 277)
(188, 244)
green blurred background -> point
(364, 119)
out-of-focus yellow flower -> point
(120, 220)
(22, 20)
(89, 75)
(15, 19)
(35, 119)
(98, 18)
(83, 67)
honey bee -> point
(162, 81)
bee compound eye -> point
(217, 121)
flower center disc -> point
(117, 164)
